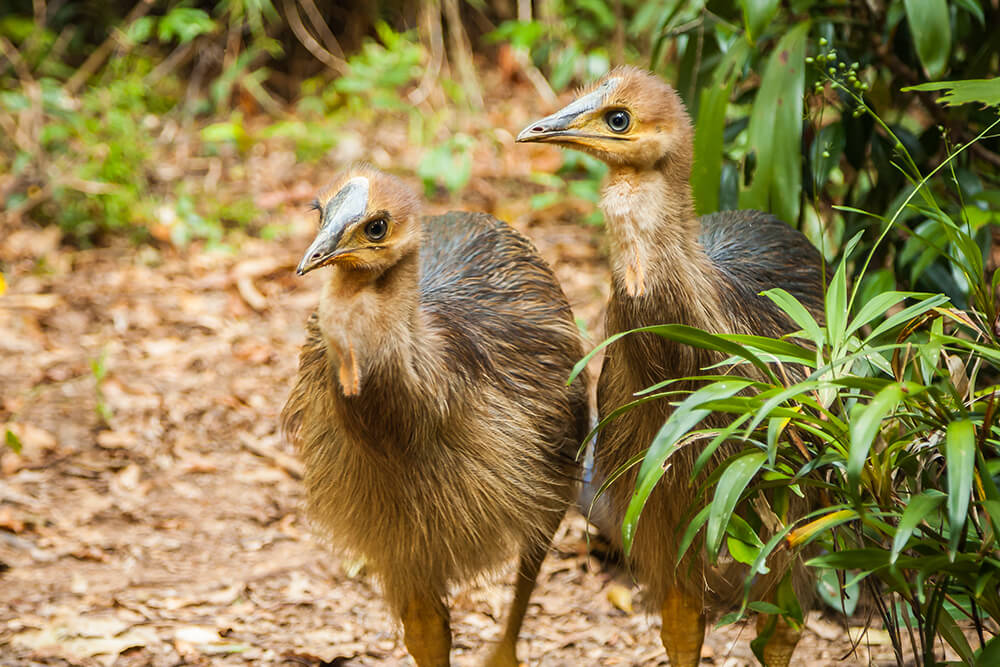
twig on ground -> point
(291, 465)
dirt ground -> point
(169, 531)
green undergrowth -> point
(892, 433)
(129, 152)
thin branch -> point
(430, 16)
(14, 57)
(177, 58)
(101, 53)
(461, 51)
(338, 65)
(320, 26)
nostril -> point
(538, 128)
(315, 255)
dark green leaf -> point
(757, 14)
(775, 131)
(707, 170)
(930, 28)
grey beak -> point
(558, 124)
(344, 209)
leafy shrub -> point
(893, 429)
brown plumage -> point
(670, 267)
(431, 410)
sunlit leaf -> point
(864, 425)
(795, 310)
(727, 493)
(684, 417)
(917, 509)
(960, 455)
(807, 533)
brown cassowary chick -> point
(431, 409)
(669, 266)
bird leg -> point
(780, 641)
(683, 629)
(426, 632)
(505, 653)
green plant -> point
(891, 432)
(448, 164)
(99, 369)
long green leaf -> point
(775, 131)
(836, 303)
(781, 349)
(864, 425)
(879, 305)
(795, 310)
(916, 510)
(707, 170)
(681, 333)
(727, 493)
(907, 314)
(960, 455)
(852, 559)
(969, 91)
(756, 15)
(930, 28)
(685, 417)
(948, 628)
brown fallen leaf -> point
(10, 522)
(620, 597)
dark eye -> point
(618, 120)
(375, 230)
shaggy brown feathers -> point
(670, 267)
(457, 449)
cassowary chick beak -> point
(338, 214)
(574, 123)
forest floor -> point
(153, 516)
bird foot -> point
(683, 629)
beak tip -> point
(527, 134)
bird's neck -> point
(658, 263)
(371, 321)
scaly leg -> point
(426, 632)
(505, 653)
(780, 645)
(683, 629)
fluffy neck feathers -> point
(657, 260)
(370, 320)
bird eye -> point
(375, 230)
(618, 120)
